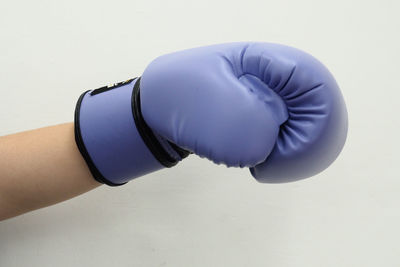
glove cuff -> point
(113, 137)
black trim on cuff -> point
(81, 146)
(146, 133)
(181, 152)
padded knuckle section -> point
(316, 124)
(292, 90)
(307, 114)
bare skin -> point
(39, 168)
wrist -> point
(114, 139)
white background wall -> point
(200, 214)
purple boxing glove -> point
(265, 106)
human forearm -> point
(39, 168)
